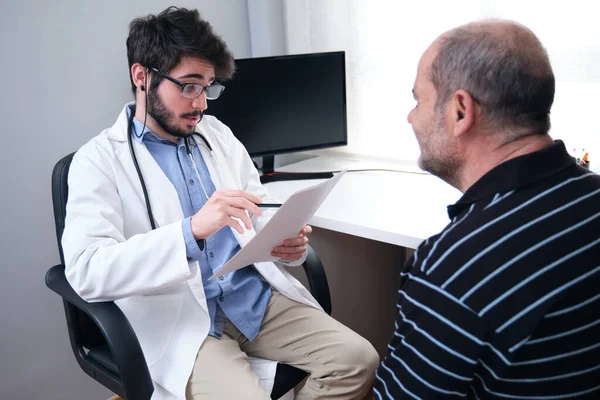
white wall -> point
(570, 32)
(64, 78)
(267, 30)
(384, 40)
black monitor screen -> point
(288, 103)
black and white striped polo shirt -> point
(504, 303)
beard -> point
(439, 157)
(166, 119)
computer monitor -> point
(285, 104)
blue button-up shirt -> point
(241, 295)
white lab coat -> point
(111, 253)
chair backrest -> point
(88, 333)
(60, 194)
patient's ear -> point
(461, 112)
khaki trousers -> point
(341, 364)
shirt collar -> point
(516, 173)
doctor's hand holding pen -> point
(221, 209)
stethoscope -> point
(139, 172)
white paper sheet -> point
(286, 223)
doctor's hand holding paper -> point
(293, 249)
(161, 201)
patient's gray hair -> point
(506, 70)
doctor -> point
(161, 200)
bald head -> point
(505, 69)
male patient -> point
(504, 303)
(151, 244)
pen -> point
(269, 205)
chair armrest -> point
(118, 333)
(317, 279)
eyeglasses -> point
(193, 90)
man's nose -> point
(200, 101)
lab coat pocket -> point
(153, 319)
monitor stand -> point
(270, 175)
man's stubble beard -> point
(161, 115)
(443, 162)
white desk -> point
(392, 207)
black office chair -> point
(103, 341)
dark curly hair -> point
(161, 41)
